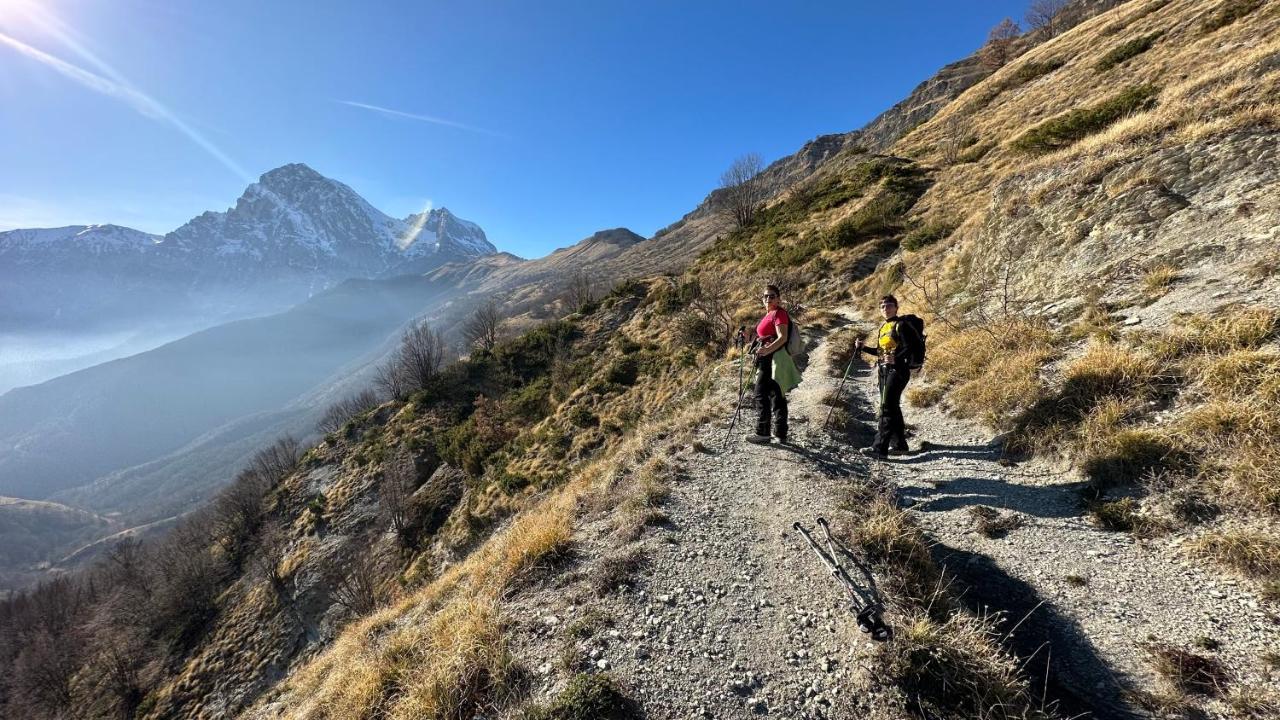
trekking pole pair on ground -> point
(865, 601)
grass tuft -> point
(615, 571)
(1159, 280)
(589, 696)
(992, 523)
(1250, 552)
(957, 668)
(925, 396)
(1187, 672)
(1124, 516)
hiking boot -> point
(758, 439)
(902, 449)
(873, 453)
(782, 439)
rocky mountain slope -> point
(111, 291)
(291, 234)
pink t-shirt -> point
(774, 317)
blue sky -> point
(541, 121)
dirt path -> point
(732, 616)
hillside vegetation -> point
(1090, 232)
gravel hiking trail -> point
(733, 616)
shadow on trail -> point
(1058, 659)
(828, 463)
(933, 451)
(1051, 501)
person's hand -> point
(858, 344)
(762, 351)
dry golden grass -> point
(957, 667)
(949, 661)
(1240, 374)
(1234, 431)
(991, 373)
(925, 395)
(1253, 701)
(1159, 280)
(1253, 553)
(440, 651)
(1237, 329)
(1210, 93)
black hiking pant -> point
(892, 432)
(770, 400)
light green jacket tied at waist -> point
(785, 372)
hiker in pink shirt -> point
(772, 331)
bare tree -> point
(125, 567)
(357, 581)
(1046, 16)
(712, 301)
(118, 661)
(952, 140)
(273, 548)
(42, 673)
(415, 364)
(481, 329)
(274, 462)
(236, 514)
(391, 381)
(340, 412)
(579, 291)
(399, 480)
(742, 190)
(999, 47)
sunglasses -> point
(769, 297)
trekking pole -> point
(740, 339)
(868, 595)
(867, 614)
(840, 390)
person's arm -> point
(779, 339)
(864, 347)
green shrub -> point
(623, 371)
(588, 697)
(1067, 129)
(1127, 50)
(1229, 12)
(583, 417)
(533, 353)
(531, 402)
(629, 288)
(828, 193)
(927, 235)
(881, 215)
(1031, 70)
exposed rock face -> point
(923, 103)
(1207, 207)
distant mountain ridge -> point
(289, 235)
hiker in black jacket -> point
(893, 352)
